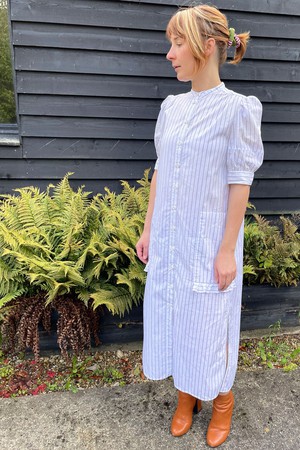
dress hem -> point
(204, 399)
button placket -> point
(174, 197)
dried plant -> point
(76, 325)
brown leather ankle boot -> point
(182, 419)
(219, 427)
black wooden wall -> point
(90, 77)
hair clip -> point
(233, 39)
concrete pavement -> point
(134, 417)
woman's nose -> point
(170, 55)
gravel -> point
(21, 375)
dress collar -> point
(198, 94)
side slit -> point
(226, 355)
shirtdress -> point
(204, 141)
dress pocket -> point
(212, 288)
(205, 251)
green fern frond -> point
(117, 299)
(58, 289)
(11, 296)
(84, 295)
(249, 270)
(144, 182)
(136, 272)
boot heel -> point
(197, 407)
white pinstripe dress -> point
(204, 142)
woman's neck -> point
(207, 78)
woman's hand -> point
(225, 268)
(142, 247)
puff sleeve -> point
(159, 128)
(245, 151)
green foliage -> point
(112, 375)
(277, 354)
(60, 242)
(271, 256)
(7, 98)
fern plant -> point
(60, 246)
(271, 256)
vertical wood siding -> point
(90, 77)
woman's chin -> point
(182, 78)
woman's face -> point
(182, 59)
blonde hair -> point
(195, 24)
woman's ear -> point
(210, 46)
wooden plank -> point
(125, 129)
(9, 152)
(134, 41)
(128, 15)
(281, 113)
(89, 12)
(135, 87)
(276, 188)
(276, 206)
(35, 169)
(267, 92)
(273, 49)
(282, 151)
(79, 61)
(99, 85)
(280, 132)
(61, 148)
(279, 169)
(262, 71)
(270, 170)
(87, 61)
(87, 127)
(89, 38)
(259, 296)
(284, 7)
(51, 105)
(265, 25)
(34, 126)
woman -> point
(208, 144)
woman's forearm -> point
(225, 263)
(237, 204)
(142, 246)
(147, 224)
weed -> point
(274, 353)
(111, 375)
(6, 371)
(69, 386)
(79, 367)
